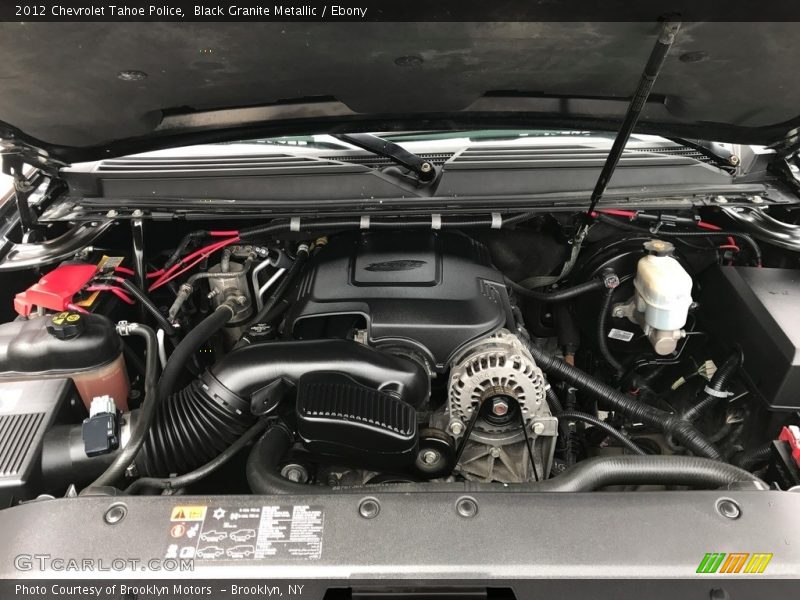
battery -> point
(758, 310)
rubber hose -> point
(571, 440)
(183, 416)
(571, 415)
(191, 344)
(553, 401)
(558, 295)
(602, 344)
(681, 430)
(172, 483)
(275, 312)
(183, 245)
(754, 247)
(718, 382)
(587, 475)
(756, 456)
(146, 413)
(147, 303)
(569, 338)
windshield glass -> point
(450, 138)
(439, 141)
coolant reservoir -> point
(83, 347)
(663, 288)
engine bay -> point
(316, 355)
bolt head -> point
(499, 407)
(430, 457)
(456, 427)
(728, 509)
(466, 507)
(295, 473)
(115, 514)
(538, 428)
(369, 508)
(495, 452)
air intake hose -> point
(198, 422)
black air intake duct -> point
(198, 422)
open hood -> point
(79, 91)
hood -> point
(82, 91)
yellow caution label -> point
(106, 264)
(65, 317)
(188, 513)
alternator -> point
(498, 376)
(496, 369)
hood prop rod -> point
(651, 70)
(23, 188)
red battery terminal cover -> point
(791, 434)
(55, 290)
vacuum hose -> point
(605, 308)
(587, 475)
(561, 295)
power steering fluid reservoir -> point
(662, 299)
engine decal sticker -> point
(233, 532)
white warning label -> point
(246, 532)
(294, 529)
(620, 334)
